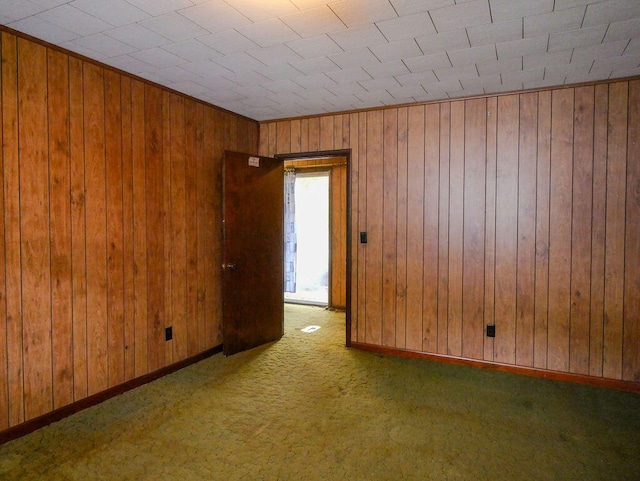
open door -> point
(253, 257)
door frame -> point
(335, 153)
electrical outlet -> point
(168, 333)
(491, 330)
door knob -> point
(229, 266)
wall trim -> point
(617, 384)
(66, 411)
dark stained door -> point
(253, 258)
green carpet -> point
(307, 408)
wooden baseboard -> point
(65, 411)
(496, 366)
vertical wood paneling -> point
(60, 228)
(115, 247)
(506, 228)
(598, 216)
(543, 175)
(389, 227)
(374, 248)
(431, 207)
(615, 230)
(35, 240)
(326, 131)
(402, 228)
(631, 321)
(443, 230)
(13, 266)
(283, 136)
(560, 229)
(490, 225)
(361, 259)
(415, 222)
(191, 233)
(581, 231)
(525, 281)
(475, 143)
(4, 366)
(314, 134)
(355, 226)
(456, 227)
(96, 226)
(295, 136)
(167, 124)
(201, 226)
(78, 230)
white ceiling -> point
(270, 59)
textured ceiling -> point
(270, 59)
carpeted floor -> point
(307, 408)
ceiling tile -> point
(502, 10)
(128, 64)
(495, 32)
(259, 10)
(418, 78)
(76, 47)
(611, 11)
(74, 20)
(192, 50)
(361, 12)
(137, 36)
(158, 57)
(441, 42)
(530, 62)
(359, 37)
(604, 50)
(239, 62)
(623, 30)
(228, 42)
(215, 16)
(633, 48)
(115, 12)
(314, 46)
(403, 92)
(206, 68)
(44, 30)
(447, 73)
(416, 25)
(356, 58)
(492, 80)
(176, 74)
(302, 4)
(349, 75)
(14, 10)
(105, 45)
(315, 65)
(274, 55)
(513, 64)
(577, 38)
(347, 89)
(159, 7)
(407, 7)
(245, 78)
(553, 22)
(174, 27)
(525, 46)
(283, 86)
(396, 50)
(379, 84)
(268, 33)
(472, 55)
(314, 22)
(316, 81)
(428, 62)
(461, 16)
(442, 88)
(279, 72)
(387, 69)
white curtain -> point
(290, 238)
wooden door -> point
(253, 258)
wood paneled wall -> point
(337, 168)
(518, 210)
(110, 207)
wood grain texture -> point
(4, 364)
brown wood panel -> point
(263, 144)
(326, 131)
(415, 225)
(60, 228)
(127, 232)
(526, 268)
(598, 216)
(443, 230)
(543, 175)
(361, 259)
(35, 240)
(295, 136)
(456, 227)
(191, 227)
(560, 229)
(304, 136)
(389, 227)
(283, 136)
(314, 134)
(78, 230)
(154, 154)
(273, 138)
(339, 237)
(490, 224)
(214, 178)
(475, 144)
(631, 321)
(168, 147)
(139, 227)
(96, 228)
(178, 247)
(615, 230)
(115, 214)
(581, 230)
(201, 226)
(11, 174)
(231, 129)
(431, 234)
(355, 219)
(401, 228)
(336, 143)
(506, 228)
(4, 366)
(374, 247)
